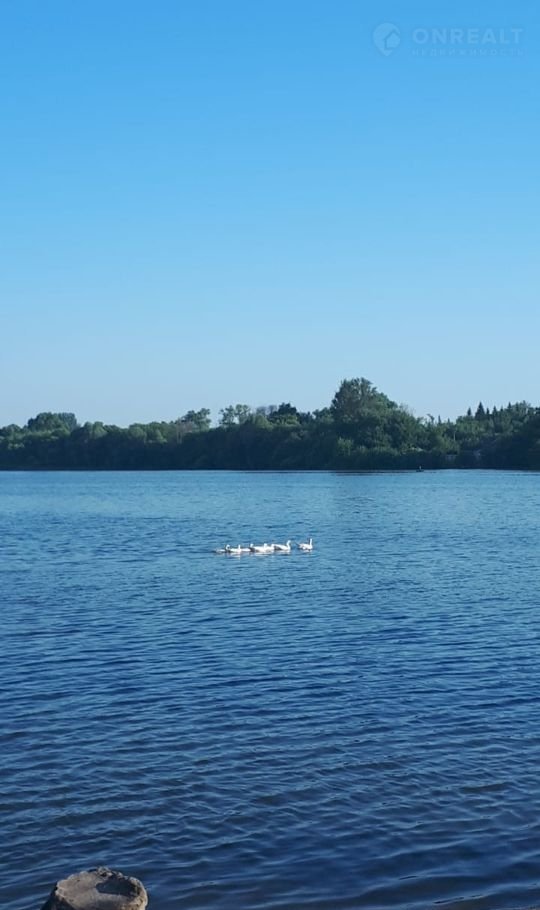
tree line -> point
(362, 429)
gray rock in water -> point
(97, 889)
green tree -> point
(480, 412)
(235, 414)
(285, 414)
(197, 421)
(52, 422)
(355, 398)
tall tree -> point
(285, 414)
(355, 398)
(480, 412)
(235, 414)
(197, 421)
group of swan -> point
(265, 548)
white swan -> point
(236, 551)
(306, 546)
(264, 548)
(282, 547)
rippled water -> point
(357, 727)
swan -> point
(264, 548)
(221, 550)
(306, 546)
(236, 551)
(282, 547)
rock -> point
(98, 889)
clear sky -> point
(231, 201)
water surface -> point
(357, 727)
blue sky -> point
(215, 202)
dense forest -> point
(362, 429)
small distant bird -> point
(282, 547)
(306, 546)
(264, 548)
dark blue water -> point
(357, 727)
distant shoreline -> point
(361, 430)
(439, 470)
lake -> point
(356, 727)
